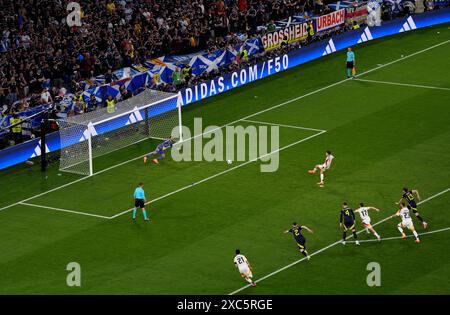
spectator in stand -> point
(124, 93)
(271, 27)
(93, 103)
(46, 97)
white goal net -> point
(150, 114)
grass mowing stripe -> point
(221, 173)
(405, 84)
(246, 117)
(327, 247)
(397, 237)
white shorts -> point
(323, 167)
(408, 224)
(245, 271)
(366, 221)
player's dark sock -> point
(159, 158)
(344, 236)
(355, 236)
(420, 218)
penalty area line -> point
(397, 237)
(63, 210)
(281, 125)
(327, 247)
(222, 172)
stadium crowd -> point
(42, 57)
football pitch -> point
(388, 128)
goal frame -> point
(147, 119)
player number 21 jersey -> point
(240, 260)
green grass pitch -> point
(384, 137)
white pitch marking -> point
(281, 125)
(327, 247)
(405, 84)
(63, 210)
(397, 237)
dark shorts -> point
(349, 225)
(350, 64)
(139, 203)
(301, 243)
(414, 209)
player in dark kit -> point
(347, 222)
(409, 197)
(299, 238)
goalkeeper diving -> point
(160, 150)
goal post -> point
(85, 137)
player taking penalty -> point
(160, 150)
(323, 167)
(243, 265)
(139, 201)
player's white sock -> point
(249, 280)
(321, 177)
(400, 229)
(376, 235)
(416, 235)
(367, 230)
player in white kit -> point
(365, 218)
(406, 221)
(244, 267)
(323, 167)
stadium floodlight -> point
(150, 114)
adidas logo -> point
(90, 130)
(408, 25)
(38, 150)
(135, 116)
(330, 48)
(365, 36)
